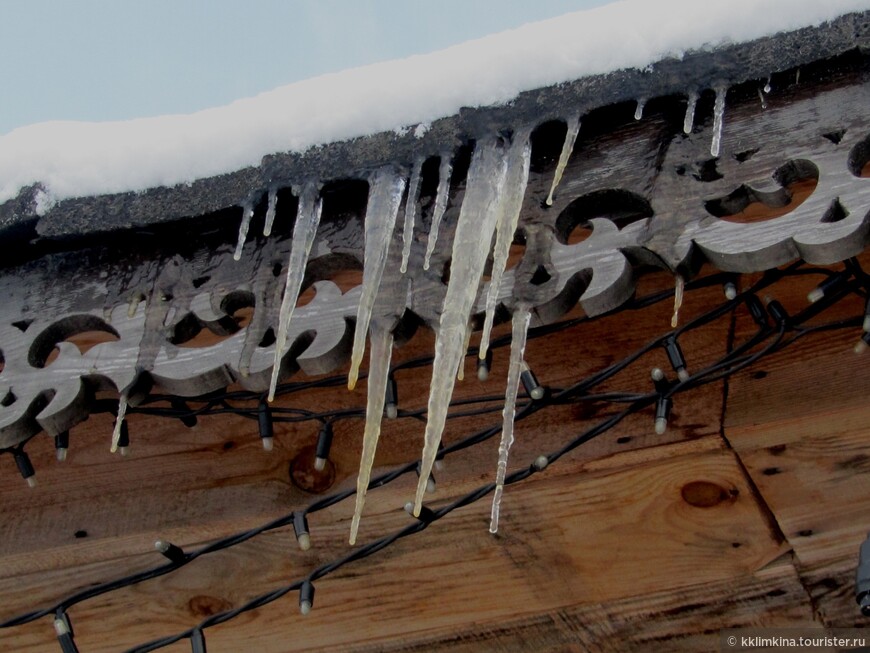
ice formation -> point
(119, 422)
(689, 120)
(385, 196)
(411, 214)
(379, 370)
(508, 219)
(478, 215)
(638, 111)
(520, 328)
(445, 172)
(718, 119)
(307, 221)
(567, 148)
(270, 211)
(244, 225)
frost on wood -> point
(520, 328)
(510, 205)
(445, 172)
(379, 370)
(307, 220)
(385, 196)
(471, 242)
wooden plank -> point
(566, 539)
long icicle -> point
(270, 211)
(471, 243)
(567, 148)
(381, 342)
(244, 225)
(385, 196)
(445, 172)
(307, 221)
(411, 213)
(520, 329)
(511, 205)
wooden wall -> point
(748, 511)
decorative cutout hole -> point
(540, 277)
(745, 155)
(835, 136)
(84, 331)
(797, 180)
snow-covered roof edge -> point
(728, 63)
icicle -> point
(385, 197)
(471, 242)
(767, 85)
(567, 148)
(135, 300)
(411, 213)
(270, 211)
(718, 119)
(638, 112)
(307, 221)
(119, 421)
(797, 77)
(763, 99)
(510, 205)
(247, 214)
(444, 174)
(379, 369)
(678, 300)
(521, 320)
(689, 120)
(460, 372)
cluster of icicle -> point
(495, 188)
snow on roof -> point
(73, 159)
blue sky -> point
(121, 59)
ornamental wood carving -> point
(641, 192)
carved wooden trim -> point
(649, 193)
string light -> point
(300, 528)
(124, 439)
(25, 467)
(64, 633)
(197, 641)
(865, 326)
(324, 444)
(730, 289)
(171, 551)
(430, 484)
(265, 422)
(862, 345)
(530, 382)
(731, 362)
(484, 365)
(391, 403)
(663, 402)
(306, 597)
(61, 445)
(778, 312)
(756, 310)
(675, 356)
(828, 286)
(187, 417)
(426, 515)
